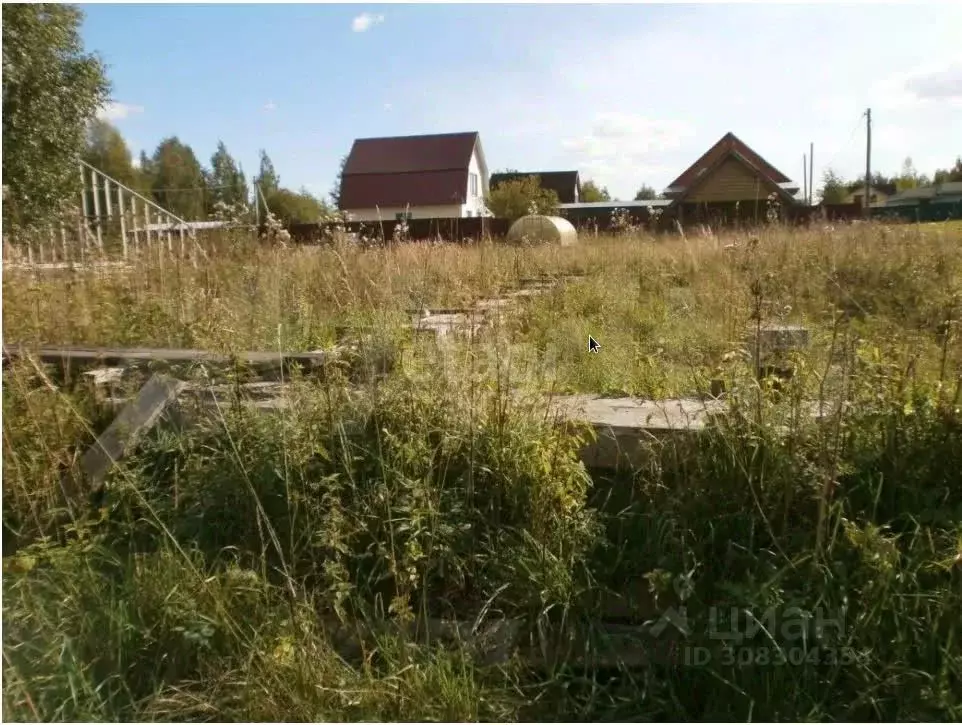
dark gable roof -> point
(366, 191)
(402, 170)
(563, 183)
(728, 144)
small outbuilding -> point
(541, 229)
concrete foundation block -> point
(626, 429)
(441, 326)
(775, 340)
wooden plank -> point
(83, 195)
(147, 222)
(122, 213)
(135, 420)
(359, 361)
(111, 357)
(133, 222)
(95, 182)
(110, 212)
(63, 241)
(170, 241)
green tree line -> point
(835, 189)
(52, 92)
(174, 177)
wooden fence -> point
(604, 220)
(463, 229)
(111, 220)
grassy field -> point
(204, 584)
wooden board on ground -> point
(127, 429)
(69, 359)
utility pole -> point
(805, 178)
(811, 172)
(868, 161)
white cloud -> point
(632, 134)
(943, 84)
(388, 106)
(622, 145)
(364, 21)
(270, 106)
(116, 111)
(933, 83)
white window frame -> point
(473, 185)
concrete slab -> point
(105, 376)
(494, 304)
(625, 428)
(421, 314)
(528, 293)
(776, 343)
(681, 414)
(538, 282)
(549, 280)
(445, 325)
(70, 266)
(774, 339)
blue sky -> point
(626, 94)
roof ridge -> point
(727, 144)
(417, 135)
(402, 173)
(740, 158)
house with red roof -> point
(434, 176)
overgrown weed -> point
(217, 577)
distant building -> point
(566, 184)
(857, 196)
(727, 180)
(927, 203)
(433, 176)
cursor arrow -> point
(593, 345)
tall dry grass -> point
(205, 583)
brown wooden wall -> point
(731, 181)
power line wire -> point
(847, 142)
